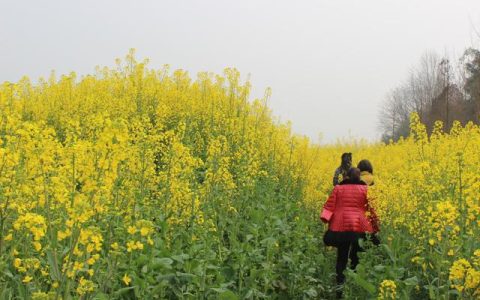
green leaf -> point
(379, 268)
(165, 277)
(123, 291)
(219, 290)
(8, 274)
(389, 252)
(370, 288)
(185, 275)
(454, 292)
(164, 262)
(4, 294)
(228, 295)
(268, 241)
(431, 292)
(287, 258)
(361, 243)
(411, 281)
(181, 258)
(142, 259)
(212, 267)
(100, 296)
(311, 292)
(224, 293)
(55, 272)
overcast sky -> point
(329, 63)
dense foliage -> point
(140, 183)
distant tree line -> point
(436, 89)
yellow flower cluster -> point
(85, 286)
(85, 252)
(444, 223)
(142, 231)
(387, 290)
(465, 276)
(43, 296)
(28, 267)
(33, 222)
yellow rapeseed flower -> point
(126, 279)
(387, 290)
(132, 229)
(27, 279)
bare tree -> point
(418, 93)
(471, 60)
(394, 115)
(426, 85)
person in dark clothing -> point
(346, 214)
(345, 165)
(345, 250)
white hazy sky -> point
(329, 63)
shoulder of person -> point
(351, 182)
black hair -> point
(365, 165)
(354, 174)
(352, 177)
(346, 160)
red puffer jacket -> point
(348, 207)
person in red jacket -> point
(349, 218)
